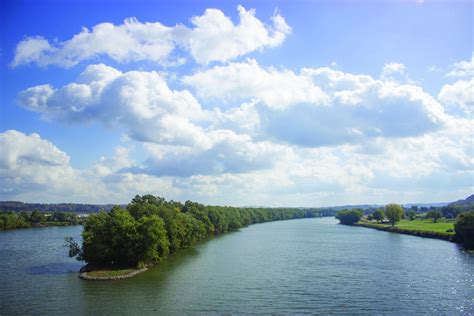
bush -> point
(349, 217)
(464, 228)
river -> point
(307, 266)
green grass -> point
(425, 225)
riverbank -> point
(443, 230)
(96, 273)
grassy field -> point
(427, 225)
(423, 225)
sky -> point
(274, 103)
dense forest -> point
(13, 220)
(150, 228)
(16, 206)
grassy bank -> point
(108, 273)
(443, 229)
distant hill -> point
(17, 206)
(468, 200)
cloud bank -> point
(212, 37)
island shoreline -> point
(84, 273)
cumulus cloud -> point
(379, 170)
(458, 97)
(462, 69)
(392, 71)
(247, 80)
(213, 37)
(191, 140)
(28, 161)
(229, 153)
(321, 106)
(34, 169)
(216, 38)
(139, 101)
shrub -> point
(349, 217)
(464, 228)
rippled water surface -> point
(312, 266)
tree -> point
(349, 216)
(393, 212)
(411, 215)
(378, 215)
(464, 228)
(37, 217)
(435, 215)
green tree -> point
(349, 216)
(464, 228)
(394, 213)
(411, 215)
(435, 215)
(378, 215)
(37, 217)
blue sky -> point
(245, 103)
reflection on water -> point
(310, 266)
(54, 268)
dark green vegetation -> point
(378, 215)
(350, 216)
(435, 215)
(464, 228)
(12, 220)
(150, 228)
(16, 206)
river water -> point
(307, 266)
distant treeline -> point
(13, 220)
(16, 206)
(150, 228)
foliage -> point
(435, 215)
(394, 213)
(378, 215)
(453, 210)
(464, 228)
(17, 207)
(411, 214)
(150, 228)
(13, 220)
(349, 216)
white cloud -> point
(237, 81)
(458, 97)
(462, 69)
(30, 162)
(34, 169)
(228, 153)
(321, 106)
(391, 71)
(301, 109)
(379, 170)
(214, 37)
(141, 102)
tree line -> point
(17, 206)
(13, 220)
(150, 228)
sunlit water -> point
(308, 266)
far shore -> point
(448, 236)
